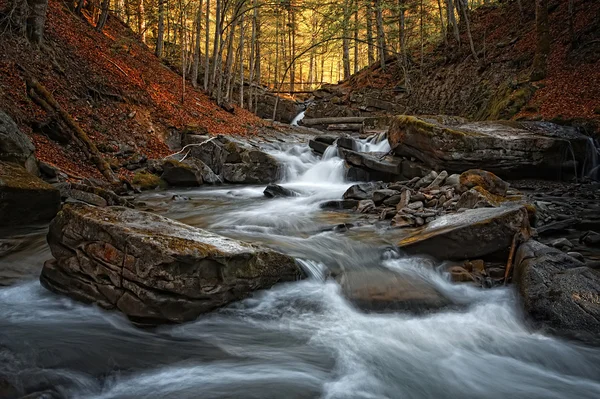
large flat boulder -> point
(506, 148)
(373, 166)
(468, 235)
(25, 198)
(15, 146)
(153, 269)
(560, 294)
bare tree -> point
(161, 29)
(542, 51)
(103, 16)
(196, 64)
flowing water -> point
(297, 340)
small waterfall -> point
(298, 118)
(374, 143)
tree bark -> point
(452, 21)
(380, 34)
(36, 20)
(346, 39)
(160, 37)
(196, 65)
(103, 16)
(542, 51)
(370, 46)
(356, 28)
(206, 46)
(241, 61)
(141, 20)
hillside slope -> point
(112, 85)
(497, 86)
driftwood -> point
(332, 121)
(353, 127)
(511, 255)
(45, 99)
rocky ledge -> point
(507, 148)
(153, 269)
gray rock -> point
(275, 190)
(427, 179)
(362, 191)
(380, 195)
(439, 180)
(468, 235)
(415, 205)
(385, 168)
(25, 198)
(562, 243)
(15, 146)
(365, 206)
(153, 269)
(559, 293)
(506, 148)
(339, 204)
(453, 180)
(318, 146)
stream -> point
(296, 340)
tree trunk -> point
(103, 16)
(216, 45)
(452, 21)
(370, 47)
(252, 55)
(572, 22)
(229, 60)
(36, 20)
(160, 37)
(466, 17)
(442, 26)
(380, 33)
(141, 20)
(183, 45)
(241, 61)
(356, 27)
(206, 46)
(196, 64)
(542, 51)
(346, 39)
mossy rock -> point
(148, 181)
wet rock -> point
(439, 180)
(385, 168)
(275, 190)
(427, 180)
(365, 206)
(66, 191)
(402, 220)
(25, 198)
(181, 174)
(340, 204)
(415, 205)
(380, 290)
(562, 244)
(318, 146)
(362, 191)
(577, 256)
(153, 269)
(251, 166)
(392, 200)
(484, 179)
(559, 293)
(591, 239)
(459, 274)
(347, 143)
(15, 146)
(380, 195)
(453, 180)
(479, 198)
(470, 234)
(404, 200)
(506, 148)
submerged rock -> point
(468, 235)
(506, 148)
(559, 293)
(153, 269)
(25, 198)
(381, 290)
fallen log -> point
(353, 127)
(34, 88)
(332, 121)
